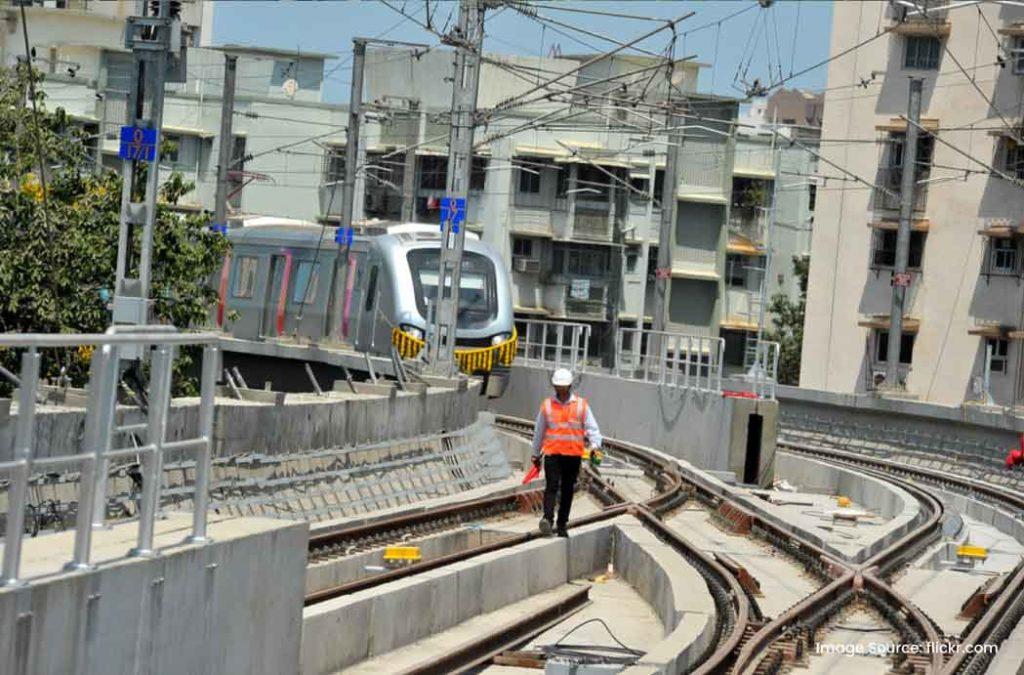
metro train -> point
(290, 279)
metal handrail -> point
(670, 358)
(553, 344)
(96, 450)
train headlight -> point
(413, 331)
(499, 338)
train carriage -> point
(289, 279)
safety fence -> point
(553, 344)
(668, 358)
(102, 438)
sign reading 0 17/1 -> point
(453, 210)
(138, 143)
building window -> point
(1014, 158)
(562, 185)
(735, 271)
(236, 181)
(1003, 256)
(529, 181)
(1000, 353)
(632, 258)
(477, 173)
(522, 247)
(433, 173)
(922, 52)
(659, 184)
(882, 347)
(925, 147)
(652, 263)
(812, 197)
(245, 277)
(306, 277)
(581, 262)
(592, 183)
(884, 253)
(334, 165)
(170, 148)
(1017, 54)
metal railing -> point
(553, 344)
(764, 373)
(668, 358)
(97, 447)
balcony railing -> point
(586, 298)
(553, 344)
(886, 197)
(754, 161)
(742, 306)
(670, 358)
(591, 223)
(751, 223)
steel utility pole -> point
(468, 38)
(409, 171)
(355, 114)
(901, 278)
(226, 145)
(158, 56)
(663, 272)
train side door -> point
(268, 322)
(368, 308)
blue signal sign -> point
(453, 210)
(138, 143)
(343, 236)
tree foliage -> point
(58, 254)
(788, 325)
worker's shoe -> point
(545, 527)
(561, 532)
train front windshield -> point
(478, 288)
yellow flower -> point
(31, 187)
(85, 353)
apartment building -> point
(962, 323)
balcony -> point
(703, 174)
(749, 223)
(754, 163)
(742, 310)
(586, 298)
(888, 199)
(592, 222)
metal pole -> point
(899, 288)
(17, 494)
(355, 113)
(107, 410)
(201, 496)
(663, 274)
(409, 171)
(226, 144)
(468, 37)
(156, 426)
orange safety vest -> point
(565, 427)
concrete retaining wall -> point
(703, 428)
(347, 630)
(301, 423)
(971, 424)
(677, 593)
(232, 606)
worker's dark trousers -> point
(560, 472)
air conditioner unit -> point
(526, 265)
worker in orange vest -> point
(564, 428)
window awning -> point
(881, 321)
(186, 131)
(600, 161)
(924, 28)
(541, 151)
(899, 125)
(992, 330)
(1002, 231)
(698, 273)
(1013, 30)
(737, 324)
(920, 225)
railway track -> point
(745, 642)
(1005, 611)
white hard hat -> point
(562, 378)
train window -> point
(371, 290)
(245, 277)
(306, 277)
(478, 287)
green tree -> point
(58, 254)
(788, 325)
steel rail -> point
(325, 541)
(487, 646)
(994, 624)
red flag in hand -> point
(531, 474)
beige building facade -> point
(963, 320)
